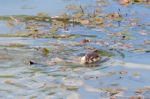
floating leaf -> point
(7, 76)
(105, 53)
(136, 74)
(72, 88)
(45, 51)
(42, 14)
(84, 22)
(124, 2)
(147, 42)
(14, 45)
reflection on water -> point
(58, 75)
(28, 7)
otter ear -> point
(95, 51)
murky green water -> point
(58, 75)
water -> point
(53, 77)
